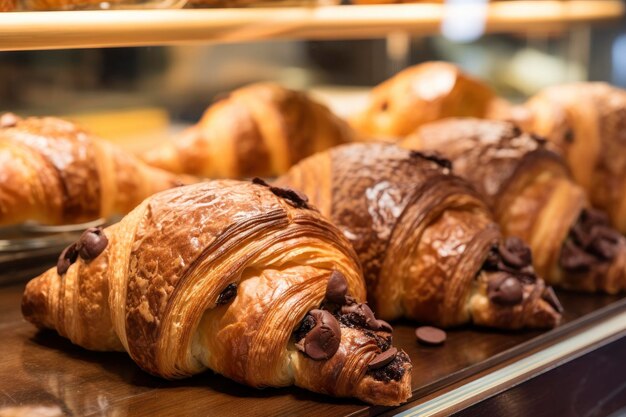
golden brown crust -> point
(54, 172)
(258, 130)
(528, 187)
(586, 123)
(421, 234)
(168, 263)
(421, 94)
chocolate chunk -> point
(67, 258)
(575, 259)
(362, 315)
(492, 260)
(504, 289)
(569, 136)
(382, 359)
(337, 288)
(323, 340)
(591, 217)
(384, 326)
(515, 253)
(429, 335)
(260, 181)
(92, 243)
(227, 295)
(603, 242)
(295, 198)
(433, 157)
(8, 120)
(307, 324)
(394, 371)
(550, 297)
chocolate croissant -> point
(54, 172)
(428, 245)
(533, 197)
(421, 94)
(242, 278)
(259, 130)
(586, 124)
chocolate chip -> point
(515, 253)
(307, 324)
(433, 157)
(569, 136)
(67, 258)
(550, 297)
(384, 326)
(323, 340)
(295, 198)
(591, 217)
(8, 120)
(259, 181)
(337, 288)
(394, 371)
(603, 242)
(504, 289)
(92, 243)
(227, 295)
(362, 315)
(575, 259)
(429, 335)
(382, 359)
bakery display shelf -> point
(86, 29)
(39, 368)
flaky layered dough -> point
(422, 235)
(216, 275)
(259, 130)
(586, 123)
(533, 197)
(53, 172)
(421, 94)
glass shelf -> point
(87, 29)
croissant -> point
(586, 124)
(533, 197)
(427, 242)
(421, 94)
(241, 278)
(258, 130)
(54, 172)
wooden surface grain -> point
(40, 368)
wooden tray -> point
(41, 368)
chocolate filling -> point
(361, 316)
(293, 197)
(383, 343)
(91, 243)
(227, 295)
(511, 263)
(306, 325)
(393, 371)
(433, 157)
(591, 241)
